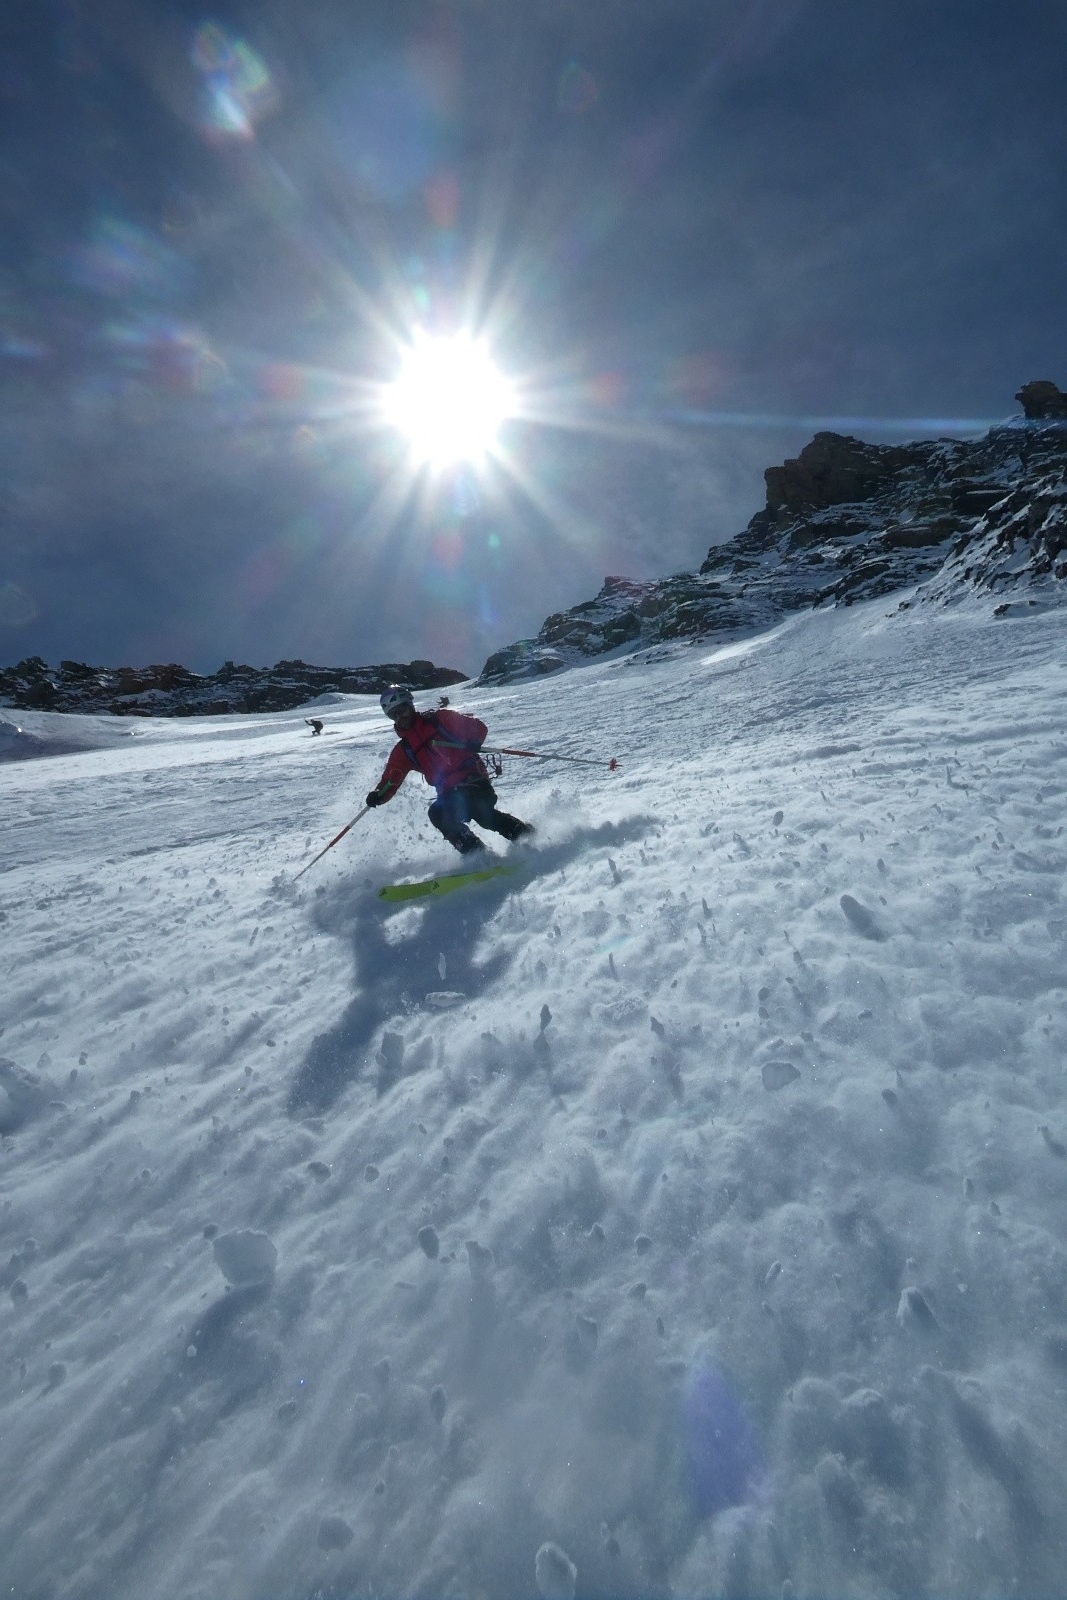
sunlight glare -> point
(449, 400)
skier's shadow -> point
(397, 968)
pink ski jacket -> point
(443, 746)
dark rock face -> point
(847, 521)
(174, 691)
(1041, 400)
(830, 471)
(625, 614)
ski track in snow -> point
(684, 1216)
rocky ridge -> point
(174, 691)
(848, 521)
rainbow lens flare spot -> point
(239, 88)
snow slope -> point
(693, 1201)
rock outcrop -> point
(1018, 551)
(174, 691)
(848, 521)
(1042, 401)
(831, 471)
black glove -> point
(376, 798)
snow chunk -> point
(335, 1533)
(862, 919)
(913, 1310)
(555, 1572)
(777, 1074)
(246, 1258)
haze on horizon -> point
(678, 227)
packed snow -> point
(680, 1214)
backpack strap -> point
(409, 750)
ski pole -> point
(536, 755)
(335, 840)
(552, 755)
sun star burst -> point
(449, 400)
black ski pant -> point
(472, 802)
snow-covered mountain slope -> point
(24, 735)
(693, 1201)
(845, 522)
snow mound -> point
(19, 744)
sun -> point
(448, 400)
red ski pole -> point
(335, 840)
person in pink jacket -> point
(443, 746)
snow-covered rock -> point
(174, 691)
(1016, 552)
(845, 521)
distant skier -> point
(443, 746)
(315, 724)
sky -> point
(691, 1198)
(691, 232)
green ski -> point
(442, 885)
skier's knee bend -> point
(443, 816)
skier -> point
(443, 746)
(315, 724)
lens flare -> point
(723, 1455)
(16, 606)
(577, 91)
(238, 85)
(448, 400)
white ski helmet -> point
(394, 698)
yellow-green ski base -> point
(443, 885)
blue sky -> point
(219, 222)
